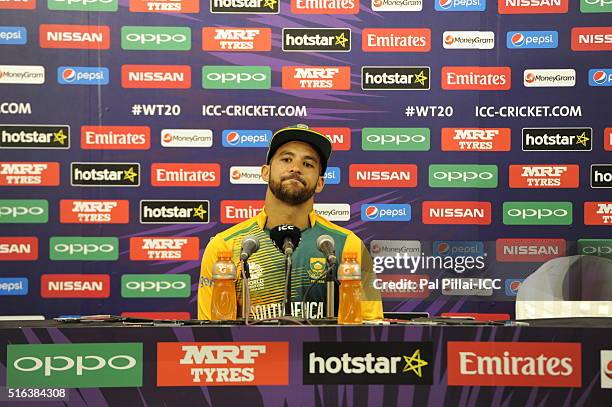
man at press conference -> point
(296, 162)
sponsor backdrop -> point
(132, 131)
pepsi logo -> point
(371, 212)
(514, 286)
(69, 75)
(167, 137)
(443, 248)
(445, 3)
(599, 77)
(530, 77)
(518, 39)
(236, 174)
(449, 39)
(233, 138)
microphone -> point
(286, 238)
(250, 244)
(326, 245)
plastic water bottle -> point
(349, 275)
(223, 304)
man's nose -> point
(296, 167)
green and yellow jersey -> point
(267, 269)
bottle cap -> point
(224, 254)
(349, 256)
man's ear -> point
(265, 172)
(320, 184)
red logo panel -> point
(75, 286)
(529, 250)
(598, 213)
(18, 248)
(476, 77)
(74, 36)
(456, 213)
(164, 248)
(28, 174)
(383, 175)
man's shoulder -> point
(333, 228)
(237, 230)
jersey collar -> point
(261, 218)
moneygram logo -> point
(542, 364)
(462, 176)
(245, 6)
(383, 175)
(368, 363)
(460, 5)
(237, 211)
(316, 77)
(75, 365)
(13, 35)
(600, 77)
(164, 248)
(236, 77)
(222, 364)
(395, 139)
(544, 176)
(532, 39)
(18, 4)
(606, 369)
(14, 286)
(75, 286)
(24, 211)
(74, 36)
(384, 248)
(397, 5)
(156, 76)
(170, 212)
(324, 7)
(165, 6)
(155, 286)
(83, 5)
(529, 250)
(317, 39)
(533, 6)
(141, 38)
(236, 39)
(549, 78)
(476, 77)
(395, 77)
(29, 174)
(105, 174)
(185, 175)
(22, 74)
(332, 176)
(83, 248)
(246, 175)
(386, 212)
(475, 139)
(246, 138)
(202, 138)
(19, 248)
(592, 39)
(396, 40)
(595, 6)
(456, 213)
(537, 213)
(35, 136)
(595, 247)
(458, 248)
(339, 136)
(335, 212)
(557, 139)
(601, 175)
(115, 137)
(468, 39)
(94, 211)
(82, 75)
(598, 213)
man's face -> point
(293, 173)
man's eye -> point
(286, 159)
(309, 165)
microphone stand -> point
(246, 276)
(288, 266)
(330, 280)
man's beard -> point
(289, 195)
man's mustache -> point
(295, 177)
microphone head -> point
(324, 242)
(250, 244)
(281, 233)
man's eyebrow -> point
(309, 157)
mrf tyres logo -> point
(75, 365)
(558, 139)
(164, 248)
(368, 363)
(395, 77)
(223, 364)
(317, 39)
(35, 136)
(105, 174)
(168, 212)
(244, 6)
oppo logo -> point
(156, 286)
(149, 38)
(537, 213)
(601, 3)
(463, 175)
(597, 251)
(80, 363)
(83, 248)
(231, 77)
(396, 139)
(85, 1)
(16, 211)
